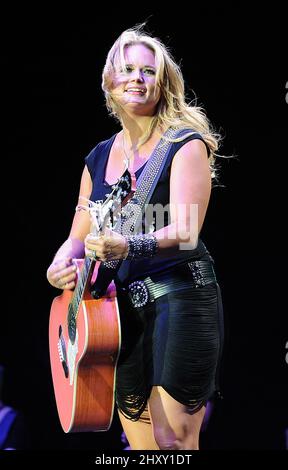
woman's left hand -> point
(109, 246)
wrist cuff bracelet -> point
(141, 246)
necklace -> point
(127, 157)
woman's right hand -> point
(62, 273)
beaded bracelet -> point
(141, 246)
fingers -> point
(94, 247)
(62, 274)
(91, 254)
(105, 248)
(97, 253)
(98, 248)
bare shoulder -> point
(86, 183)
(191, 156)
(194, 149)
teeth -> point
(136, 89)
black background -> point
(234, 63)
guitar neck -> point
(82, 285)
(83, 282)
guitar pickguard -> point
(72, 351)
(61, 346)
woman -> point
(171, 338)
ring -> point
(94, 255)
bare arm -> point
(62, 272)
(190, 188)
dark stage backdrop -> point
(234, 64)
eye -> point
(128, 69)
(150, 71)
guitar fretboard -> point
(83, 279)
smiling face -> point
(134, 88)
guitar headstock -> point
(121, 193)
(125, 188)
(105, 214)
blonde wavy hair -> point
(172, 109)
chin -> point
(140, 108)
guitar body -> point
(83, 371)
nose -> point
(137, 76)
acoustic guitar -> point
(85, 334)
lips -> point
(136, 89)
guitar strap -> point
(130, 221)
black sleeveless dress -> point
(176, 341)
